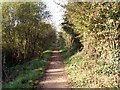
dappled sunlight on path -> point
(54, 76)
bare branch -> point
(63, 6)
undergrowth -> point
(84, 72)
(28, 72)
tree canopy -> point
(25, 32)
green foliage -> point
(95, 25)
(87, 73)
(24, 31)
(28, 72)
(94, 29)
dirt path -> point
(55, 76)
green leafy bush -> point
(31, 71)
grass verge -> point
(28, 72)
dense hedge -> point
(97, 27)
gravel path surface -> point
(55, 76)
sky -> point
(56, 10)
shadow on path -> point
(55, 76)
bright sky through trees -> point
(56, 11)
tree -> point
(25, 32)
